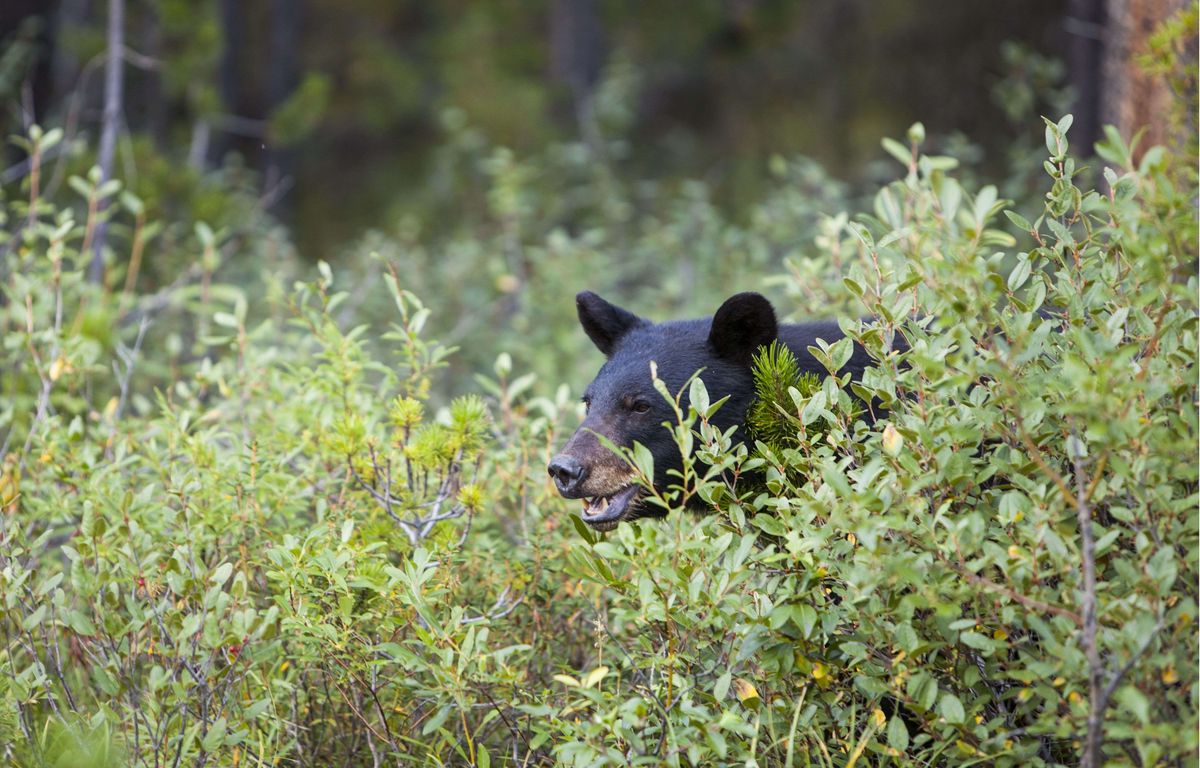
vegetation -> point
(318, 94)
(244, 533)
(258, 513)
(770, 419)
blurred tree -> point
(114, 84)
(346, 97)
(24, 55)
(1134, 98)
(1085, 55)
(577, 48)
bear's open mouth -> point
(605, 512)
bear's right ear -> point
(604, 323)
(743, 324)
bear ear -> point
(743, 324)
(604, 323)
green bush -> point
(239, 527)
(1012, 550)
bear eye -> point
(640, 406)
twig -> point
(496, 612)
(991, 586)
(129, 357)
(1092, 756)
(114, 83)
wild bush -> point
(242, 531)
(1003, 572)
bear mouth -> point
(606, 512)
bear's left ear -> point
(604, 323)
(743, 324)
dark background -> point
(339, 105)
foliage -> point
(778, 385)
(241, 526)
(916, 594)
(343, 103)
(563, 220)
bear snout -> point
(568, 474)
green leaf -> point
(722, 687)
(1135, 701)
(222, 574)
(1020, 221)
(205, 234)
(594, 677)
(698, 396)
(643, 460)
(813, 409)
(897, 733)
(897, 150)
(225, 319)
(977, 641)
(34, 619)
(1019, 274)
(80, 623)
(215, 737)
(435, 722)
(951, 708)
(806, 618)
(584, 530)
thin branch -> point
(114, 84)
(991, 586)
(129, 357)
(496, 612)
(1092, 756)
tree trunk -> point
(1133, 100)
(1085, 56)
(577, 52)
(153, 99)
(64, 65)
(113, 85)
(282, 79)
(233, 39)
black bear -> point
(623, 406)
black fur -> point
(742, 324)
(604, 323)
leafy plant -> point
(248, 522)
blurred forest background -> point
(339, 107)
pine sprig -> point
(770, 418)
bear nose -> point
(567, 473)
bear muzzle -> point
(605, 512)
(605, 484)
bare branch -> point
(114, 84)
(497, 611)
(1092, 755)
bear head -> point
(623, 406)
